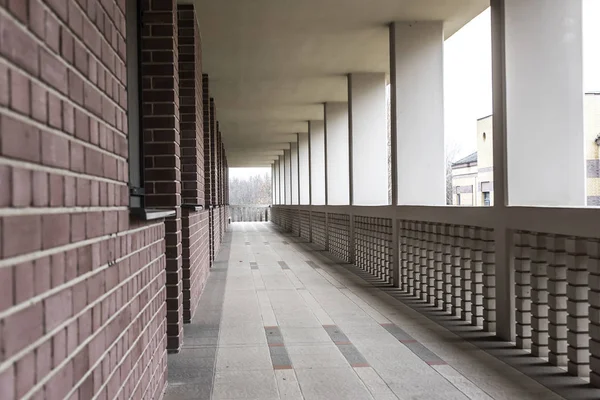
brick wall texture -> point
(195, 225)
(91, 297)
(161, 125)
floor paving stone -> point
(279, 320)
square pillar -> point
(195, 254)
(207, 123)
(275, 178)
(337, 152)
(544, 102)
(368, 139)
(281, 179)
(316, 142)
(295, 182)
(162, 153)
(287, 177)
(417, 111)
(304, 168)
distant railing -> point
(249, 213)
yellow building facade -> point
(473, 175)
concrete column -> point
(498, 245)
(368, 139)
(281, 179)
(544, 102)
(276, 187)
(295, 182)
(417, 111)
(336, 150)
(273, 183)
(287, 156)
(316, 131)
(304, 168)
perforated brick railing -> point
(304, 224)
(557, 289)
(450, 266)
(319, 229)
(338, 230)
(296, 223)
(373, 246)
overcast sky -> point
(468, 78)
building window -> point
(134, 105)
(486, 199)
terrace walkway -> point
(279, 320)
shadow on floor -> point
(548, 375)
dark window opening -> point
(486, 199)
(134, 104)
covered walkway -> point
(282, 320)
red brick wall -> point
(195, 225)
(196, 260)
(160, 82)
(217, 226)
(82, 286)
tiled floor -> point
(272, 326)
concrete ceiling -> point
(272, 63)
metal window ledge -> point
(150, 214)
(193, 207)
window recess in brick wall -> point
(134, 105)
(134, 117)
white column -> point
(294, 154)
(281, 179)
(417, 96)
(276, 182)
(336, 150)
(368, 139)
(287, 156)
(304, 168)
(316, 131)
(544, 102)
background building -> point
(473, 175)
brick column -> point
(208, 184)
(190, 99)
(195, 248)
(213, 154)
(477, 278)
(593, 250)
(577, 308)
(489, 281)
(447, 267)
(218, 151)
(161, 136)
(457, 241)
(523, 289)
(465, 273)
(207, 122)
(557, 301)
